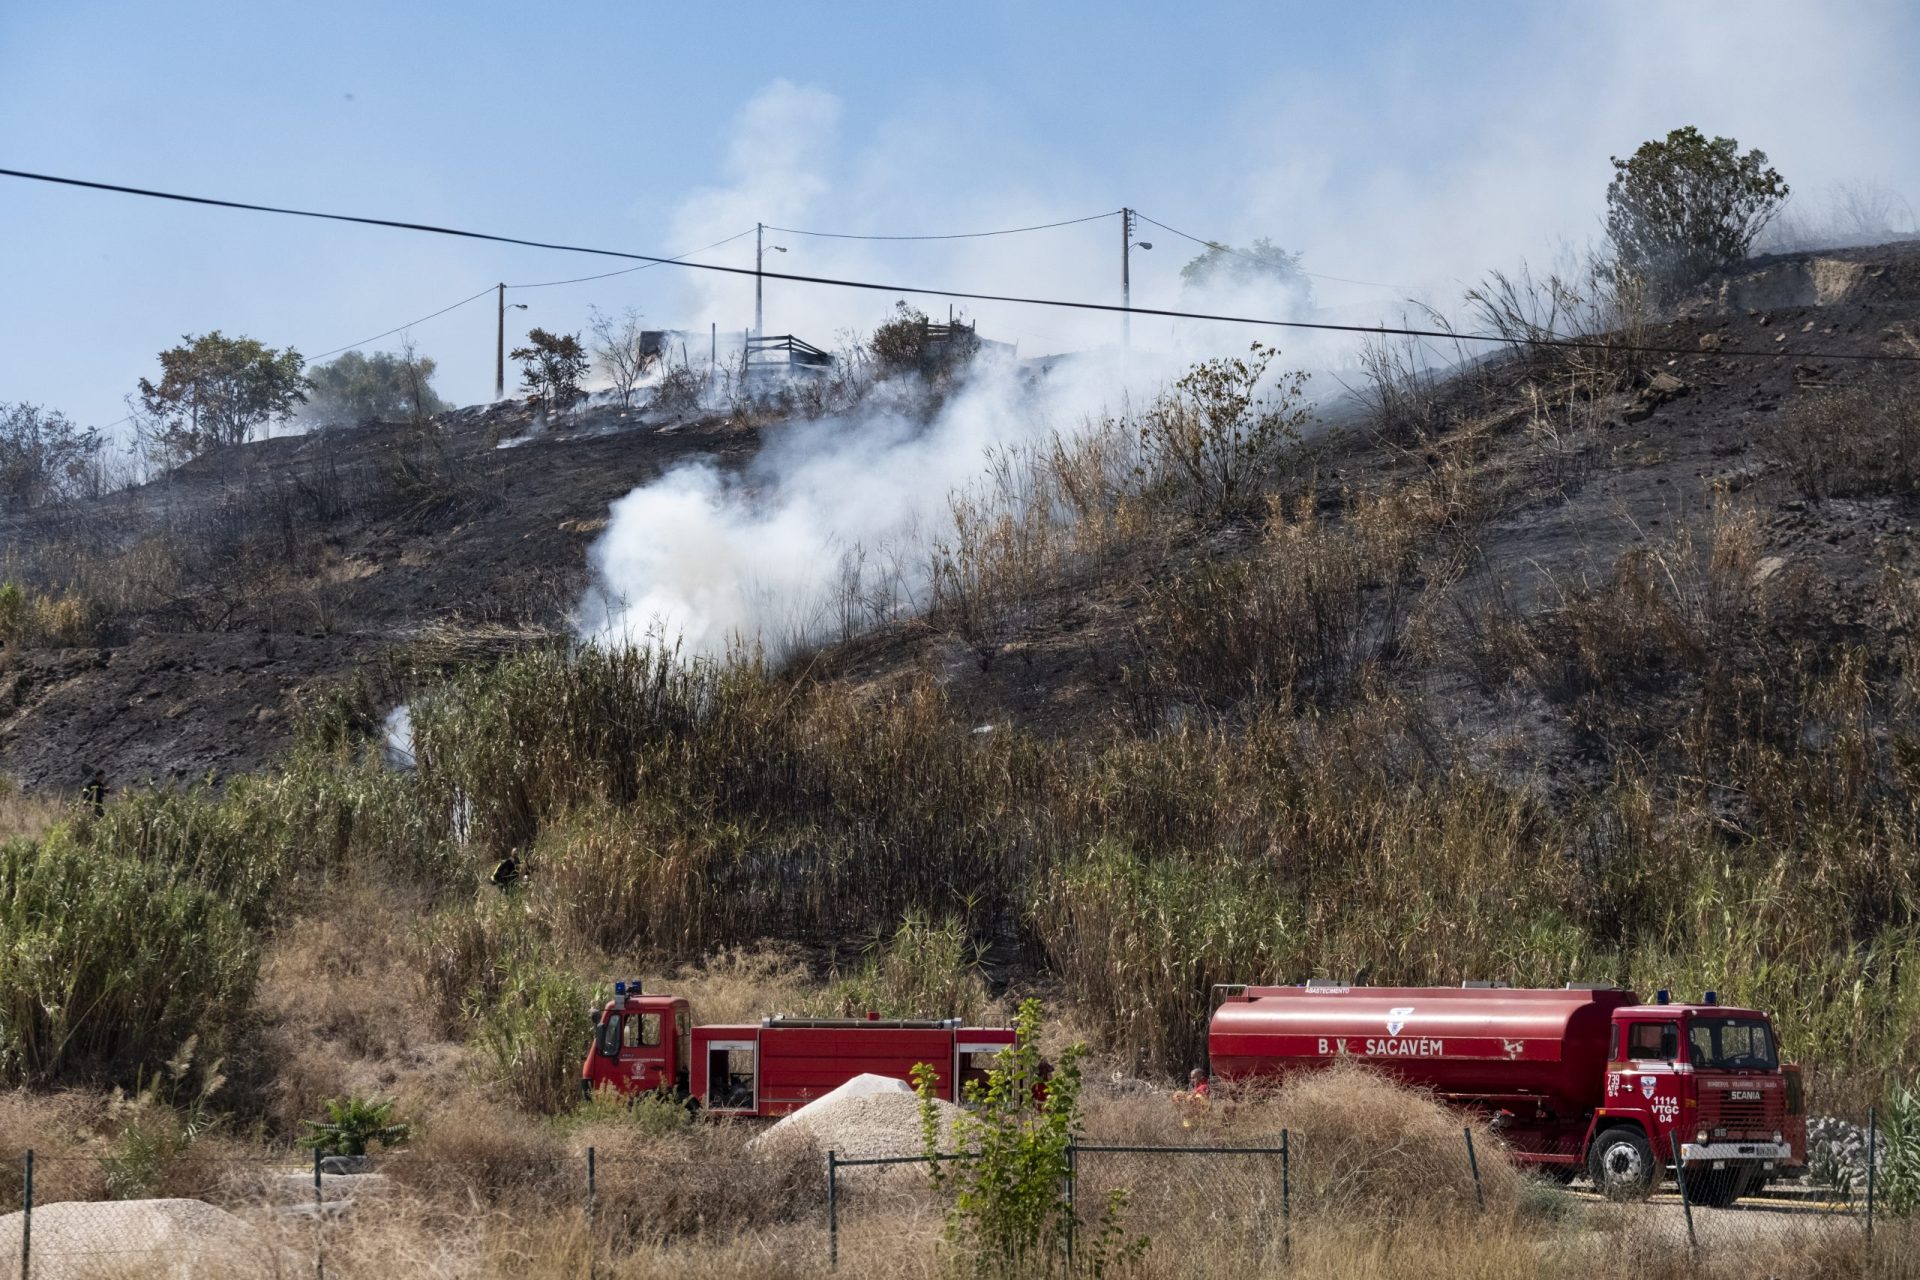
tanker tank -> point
(1539, 1054)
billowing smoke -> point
(833, 517)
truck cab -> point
(641, 1044)
(1697, 1087)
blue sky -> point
(1412, 144)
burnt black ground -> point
(207, 682)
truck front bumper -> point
(1741, 1151)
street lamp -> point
(500, 343)
(1127, 245)
(760, 252)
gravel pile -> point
(86, 1240)
(862, 1125)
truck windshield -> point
(1732, 1043)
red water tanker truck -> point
(647, 1043)
(1573, 1079)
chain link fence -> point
(1245, 1209)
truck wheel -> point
(1621, 1165)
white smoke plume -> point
(709, 559)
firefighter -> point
(506, 874)
(1193, 1103)
(94, 794)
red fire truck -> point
(1579, 1078)
(644, 1043)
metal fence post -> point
(1286, 1199)
(593, 1256)
(1872, 1124)
(319, 1221)
(833, 1217)
(26, 1220)
(1073, 1204)
(1680, 1177)
(1473, 1163)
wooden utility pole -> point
(1126, 278)
(500, 342)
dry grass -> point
(1856, 441)
(29, 816)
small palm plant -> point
(351, 1124)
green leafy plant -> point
(552, 365)
(159, 1123)
(352, 1123)
(1261, 265)
(1011, 1211)
(1683, 207)
(1897, 1153)
(533, 1038)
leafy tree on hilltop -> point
(44, 457)
(552, 366)
(1683, 207)
(385, 386)
(1263, 262)
(216, 390)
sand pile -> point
(153, 1239)
(867, 1117)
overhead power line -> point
(1224, 247)
(645, 266)
(1576, 344)
(540, 285)
(958, 235)
(400, 328)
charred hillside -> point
(185, 623)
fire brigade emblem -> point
(1397, 1018)
(1647, 1085)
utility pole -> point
(500, 342)
(760, 248)
(1127, 245)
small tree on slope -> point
(1683, 207)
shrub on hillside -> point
(534, 1038)
(1853, 442)
(384, 386)
(1221, 439)
(30, 619)
(45, 457)
(1683, 207)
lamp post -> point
(1127, 245)
(759, 252)
(500, 343)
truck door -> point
(1650, 1082)
(643, 1051)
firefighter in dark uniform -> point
(94, 794)
(506, 874)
